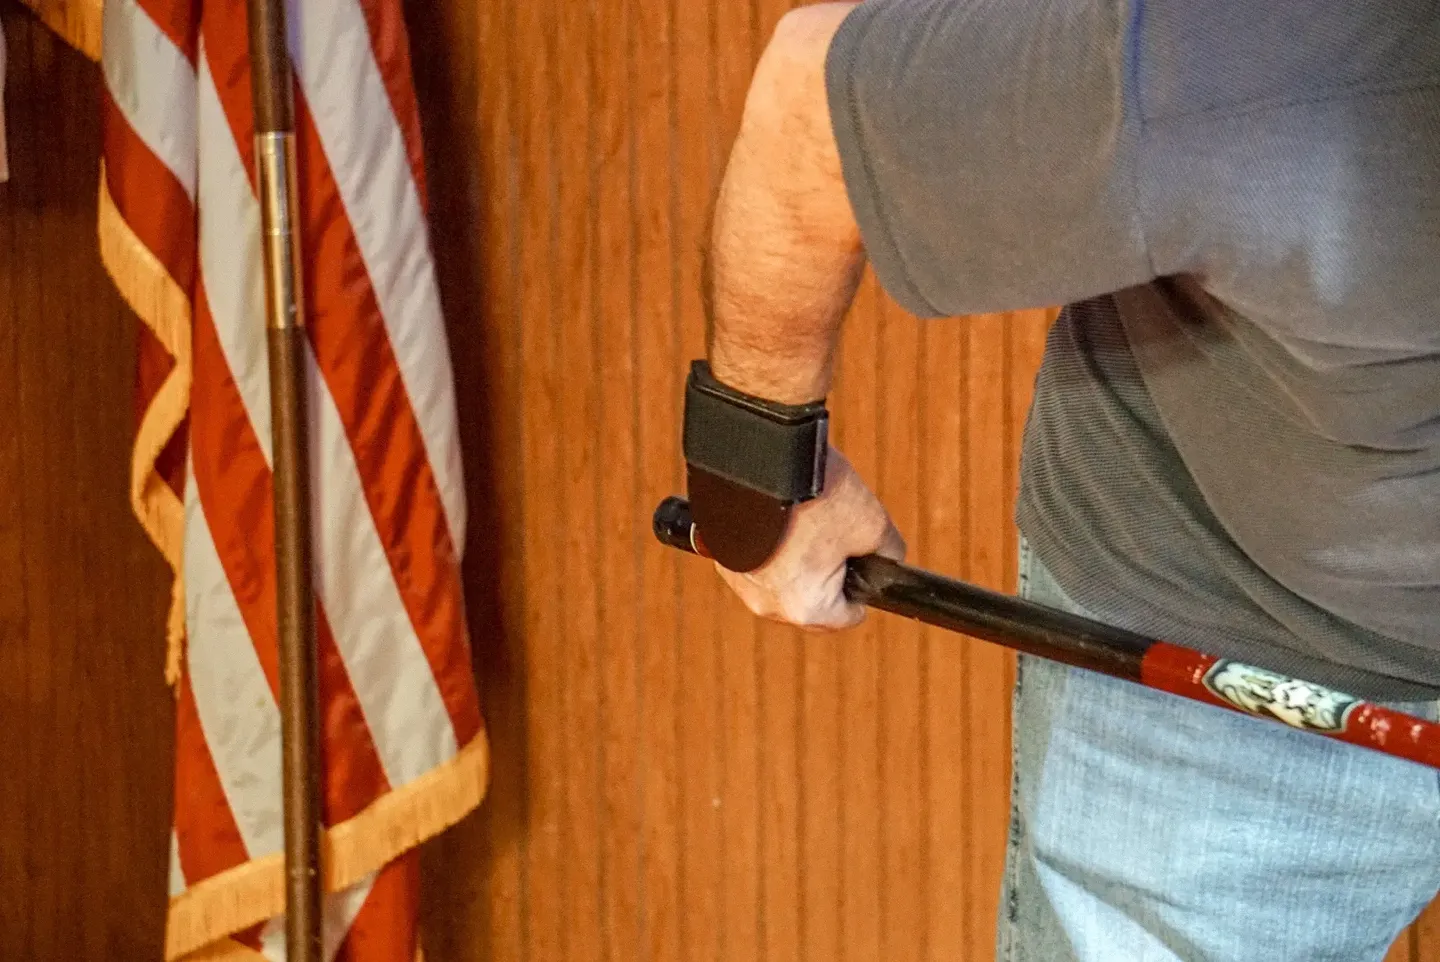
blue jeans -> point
(1148, 828)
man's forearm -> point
(785, 254)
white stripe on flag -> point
(408, 721)
(230, 258)
(177, 874)
(341, 908)
(153, 85)
(272, 940)
(238, 714)
(336, 68)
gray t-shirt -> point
(1235, 438)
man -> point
(1235, 437)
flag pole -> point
(285, 329)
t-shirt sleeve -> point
(988, 148)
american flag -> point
(402, 737)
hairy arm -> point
(785, 252)
(785, 258)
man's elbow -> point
(784, 169)
(787, 97)
(808, 29)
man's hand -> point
(803, 584)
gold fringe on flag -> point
(228, 950)
(76, 21)
(225, 950)
(202, 918)
(393, 824)
(165, 309)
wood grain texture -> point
(671, 781)
(85, 719)
(689, 784)
(692, 155)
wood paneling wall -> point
(672, 780)
(85, 718)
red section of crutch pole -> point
(1291, 702)
(1074, 640)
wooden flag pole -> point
(295, 605)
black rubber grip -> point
(673, 524)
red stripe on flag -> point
(359, 365)
(353, 350)
(354, 776)
(153, 365)
(385, 928)
(148, 196)
(391, 46)
(224, 28)
(354, 353)
(177, 20)
(207, 838)
(234, 484)
(159, 212)
(251, 938)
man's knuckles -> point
(810, 609)
(805, 601)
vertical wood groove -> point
(510, 57)
(672, 781)
(85, 718)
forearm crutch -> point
(1034, 629)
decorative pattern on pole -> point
(1084, 643)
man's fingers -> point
(816, 604)
(822, 606)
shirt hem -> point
(1067, 573)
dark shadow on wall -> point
(470, 870)
(86, 721)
